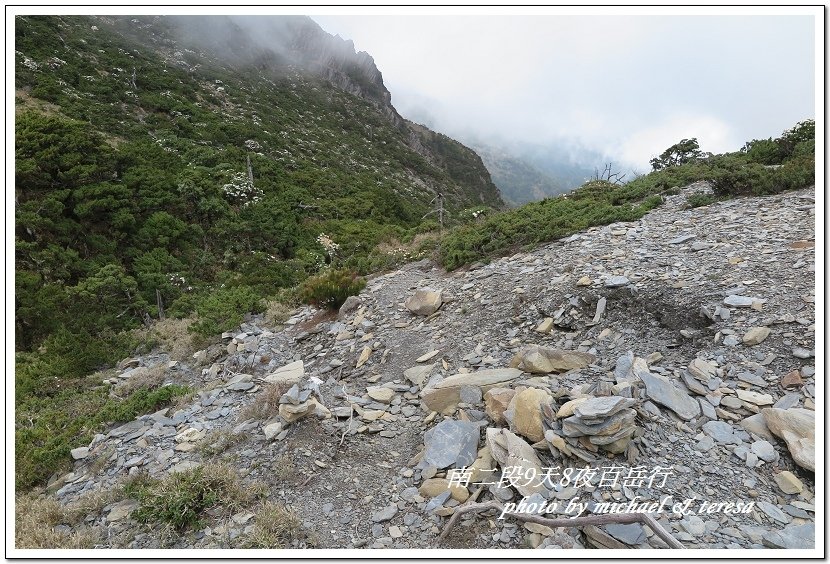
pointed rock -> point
(527, 413)
(419, 374)
(545, 326)
(789, 482)
(756, 335)
(702, 370)
(289, 374)
(381, 394)
(496, 402)
(792, 380)
(511, 451)
(364, 356)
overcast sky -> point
(628, 86)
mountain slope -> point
(519, 181)
(357, 471)
(129, 129)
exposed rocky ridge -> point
(282, 41)
(648, 301)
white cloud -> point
(629, 86)
(713, 135)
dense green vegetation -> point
(132, 192)
(760, 167)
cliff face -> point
(287, 43)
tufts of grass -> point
(150, 378)
(174, 337)
(277, 312)
(181, 499)
(283, 468)
(219, 441)
(38, 520)
(276, 526)
(266, 404)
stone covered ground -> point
(684, 341)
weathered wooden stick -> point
(614, 518)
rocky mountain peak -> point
(295, 41)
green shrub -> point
(698, 200)
(331, 288)
(47, 428)
(141, 401)
(224, 309)
(734, 178)
(799, 172)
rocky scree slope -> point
(690, 332)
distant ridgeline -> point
(133, 142)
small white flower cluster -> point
(55, 63)
(327, 243)
(179, 282)
(241, 189)
(29, 63)
(253, 145)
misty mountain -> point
(524, 172)
(520, 181)
(280, 45)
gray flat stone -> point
(722, 432)
(794, 536)
(385, 514)
(682, 239)
(773, 511)
(752, 378)
(603, 406)
(632, 534)
(664, 392)
(616, 282)
(452, 443)
(738, 301)
(765, 451)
